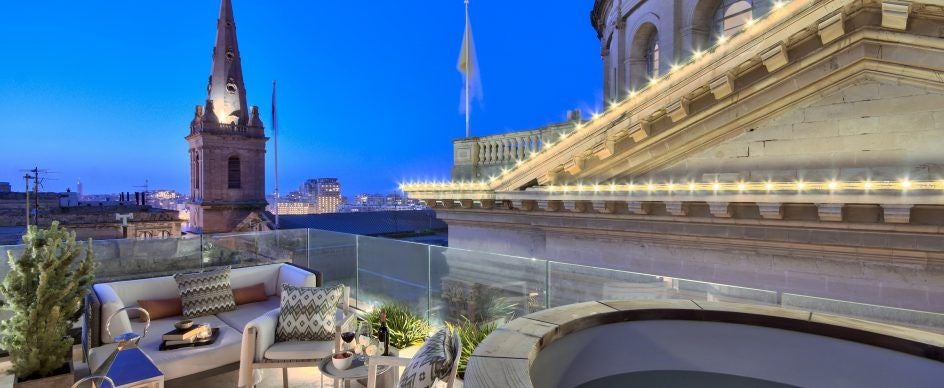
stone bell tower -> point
(227, 145)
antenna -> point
(37, 182)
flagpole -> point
(468, 72)
(275, 135)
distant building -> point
(5, 187)
(325, 193)
(227, 145)
(96, 220)
(294, 208)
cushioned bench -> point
(221, 356)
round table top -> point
(358, 370)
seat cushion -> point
(205, 293)
(307, 313)
(299, 350)
(237, 319)
(180, 362)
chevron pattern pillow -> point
(307, 313)
(433, 361)
(205, 293)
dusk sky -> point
(368, 90)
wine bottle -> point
(383, 333)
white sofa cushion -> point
(180, 362)
(244, 313)
(299, 350)
(290, 274)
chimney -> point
(574, 115)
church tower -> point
(227, 145)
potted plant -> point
(44, 290)
(407, 329)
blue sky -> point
(368, 90)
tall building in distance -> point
(324, 193)
(227, 145)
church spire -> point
(226, 89)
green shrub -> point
(471, 334)
(406, 327)
(44, 290)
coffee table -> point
(357, 371)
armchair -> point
(417, 361)
(261, 351)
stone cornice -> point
(796, 23)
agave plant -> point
(471, 334)
(406, 328)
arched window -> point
(730, 16)
(652, 56)
(233, 173)
(643, 56)
(196, 172)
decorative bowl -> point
(184, 324)
(342, 360)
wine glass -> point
(347, 337)
(363, 339)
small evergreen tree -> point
(44, 290)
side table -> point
(357, 371)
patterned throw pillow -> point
(205, 293)
(307, 313)
(433, 361)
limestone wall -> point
(873, 128)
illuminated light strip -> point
(799, 186)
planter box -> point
(62, 380)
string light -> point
(691, 186)
(779, 4)
(741, 186)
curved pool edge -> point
(504, 358)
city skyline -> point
(95, 128)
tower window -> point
(197, 172)
(652, 56)
(233, 169)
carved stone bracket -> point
(487, 203)
(576, 165)
(895, 14)
(606, 149)
(720, 209)
(525, 205)
(639, 130)
(832, 28)
(639, 207)
(897, 214)
(677, 208)
(548, 206)
(770, 210)
(446, 203)
(464, 203)
(678, 109)
(775, 58)
(830, 211)
(600, 207)
(722, 86)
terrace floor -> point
(272, 378)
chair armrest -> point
(111, 303)
(299, 277)
(259, 335)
